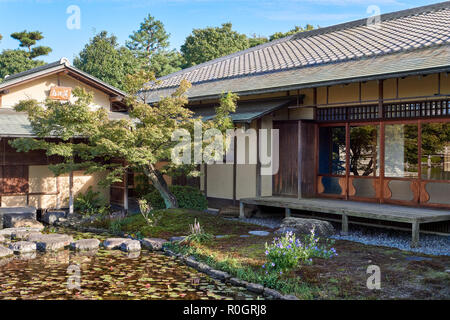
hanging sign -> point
(60, 93)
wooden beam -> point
(415, 234)
(241, 210)
(234, 170)
(287, 212)
(344, 230)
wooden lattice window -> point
(13, 179)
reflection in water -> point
(109, 275)
(435, 173)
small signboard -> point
(60, 93)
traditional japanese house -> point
(363, 113)
(25, 179)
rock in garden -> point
(238, 282)
(23, 234)
(113, 243)
(23, 247)
(173, 239)
(259, 233)
(49, 245)
(130, 245)
(8, 232)
(28, 223)
(302, 227)
(290, 297)
(155, 244)
(254, 287)
(2, 238)
(10, 215)
(272, 293)
(85, 244)
(50, 217)
(5, 252)
(217, 274)
(203, 267)
(50, 242)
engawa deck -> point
(346, 209)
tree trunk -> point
(160, 184)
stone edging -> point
(206, 269)
(225, 277)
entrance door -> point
(285, 182)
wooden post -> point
(415, 234)
(287, 212)
(71, 192)
(258, 160)
(241, 210)
(344, 230)
(125, 193)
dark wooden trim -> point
(258, 160)
(299, 161)
(234, 170)
(347, 158)
(382, 161)
(419, 155)
(206, 180)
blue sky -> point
(121, 17)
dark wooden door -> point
(285, 182)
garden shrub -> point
(90, 203)
(197, 234)
(187, 197)
(287, 252)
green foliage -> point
(90, 203)
(254, 40)
(197, 234)
(150, 43)
(213, 42)
(150, 216)
(287, 252)
(15, 61)
(29, 39)
(187, 197)
(295, 30)
(105, 59)
(116, 226)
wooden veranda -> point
(345, 209)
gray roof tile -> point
(402, 31)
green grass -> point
(175, 222)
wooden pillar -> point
(125, 192)
(380, 98)
(287, 212)
(347, 159)
(415, 234)
(344, 230)
(71, 192)
(382, 157)
(258, 160)
(241, 210)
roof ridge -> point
(304, 34)
(384, 17)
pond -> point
(108, 275)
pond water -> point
(108, 275)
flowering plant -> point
(287, 252)
(197, 234)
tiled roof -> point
(16, 124)
(402, 31)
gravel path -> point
(429, 244)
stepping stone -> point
(23, 247)
(23, 234)
(130, 246)
(259, 233)
(113, 243)
(50, 242)
(2, 238)
(85, 244)
(9, 231)
(255, 287)
(173, 239)
(50, 217)
(153, 243)
(28, 223)
(5, 252)
(244, 236)
(221, 236)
